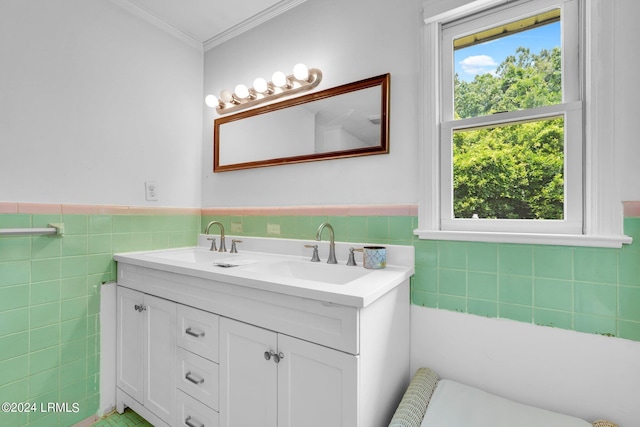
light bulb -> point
(279, 79)
(260, 85)
(301, 72)
(212, 101)
(226, 96)
(242, 91)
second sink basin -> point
(329, 273)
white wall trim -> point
(429, 155)
(599, 241)
(252, 22)
(154, 20)
(439, 10)
(264, 16)
(604, 213)
(107, 348)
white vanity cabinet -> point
(274, 380)
(146, 342)
(242, 350)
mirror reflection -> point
(346, 121)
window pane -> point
(513, 171)
(511, 67)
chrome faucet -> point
(332, 243)
(223, 248)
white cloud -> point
(478, 64)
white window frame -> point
(593, 210)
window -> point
(504, 133)
(511, 121)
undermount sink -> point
(194, 255)
(278, 265)
(306, 270)
(267, 266)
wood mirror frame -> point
(252, 133)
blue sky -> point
(485, 57)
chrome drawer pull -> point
(190, 423)
(193, 379)
(190, 331)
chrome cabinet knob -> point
(277, 357)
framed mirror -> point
(345, 121)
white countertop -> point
(252, 266)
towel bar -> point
(52, 229)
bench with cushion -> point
(431, 402)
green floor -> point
(127, 419)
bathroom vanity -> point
(264, 337)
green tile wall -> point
(373, 229)
(49, 289)
(50, 302)
(591, 290)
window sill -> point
(526, 238)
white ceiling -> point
(207, 23)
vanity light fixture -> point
(242, 97)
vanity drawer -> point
(198, 332)
(191, 413)
(198, 377)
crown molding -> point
(154, 20)
(252, 22)
(267, 14)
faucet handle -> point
(213, 243)
(234, 250)
(314, 257)
(352, 258)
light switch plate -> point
(151, 191)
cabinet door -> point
(160, 356)
(130, 343)
(248, 381)
(317, 386)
